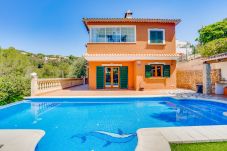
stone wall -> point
(197, 64)
(189, 78)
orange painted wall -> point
(137, 71)
(141, 45)
(92, 73)
(155, 82)
(136, 75)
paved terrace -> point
(83, 90)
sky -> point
(56, 27)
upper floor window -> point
(156, 36)
(112, 34)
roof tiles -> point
(144, 20)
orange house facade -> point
(131, 53)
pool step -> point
(158, 139)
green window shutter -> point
(148, 73)
(124, 77)
(166, 71)
(99, 77)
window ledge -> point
(111, 43)
(157, 78)
(161, 44)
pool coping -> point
(201, 99)
(148, 138)
(221, 100)
(12, 104)
(20, 139)
(101, 96)
(26, 99)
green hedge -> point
(13, 88)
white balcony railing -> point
(41, 86)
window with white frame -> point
(128, 34)
(156, 36)
(98, 34)
(112, 34)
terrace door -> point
(115, 77)
(111, 77)
(108, 77)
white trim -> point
(129, 58)
(99, 26)
(157, 63)
(156, 29)
(111, 43)
(111, 64)
(109, 26)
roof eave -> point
(85, 23)
(129, 57)
(86, 20)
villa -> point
(184, 106)
(131, 53)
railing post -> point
(34, 83)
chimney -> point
(128, 14)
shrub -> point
(13, 88)
(213, 47)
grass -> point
(217, 146)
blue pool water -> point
(105, 124)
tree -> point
(16, 66)
(212, 32)
(78, 69)
(213, 47)
(213, 39)
(13, 61)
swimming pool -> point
(105, 124)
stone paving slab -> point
(19, 140)
(158, 139)
(83, 90)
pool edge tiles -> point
(102, 96)
(12, 104)
(212, 99)
(99, 99)
(202, 99)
